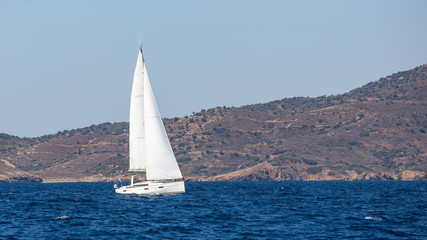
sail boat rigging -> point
(149, 147)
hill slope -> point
(377, 131)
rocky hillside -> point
(374, 132)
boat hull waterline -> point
(153, 188)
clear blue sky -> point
(69, 64)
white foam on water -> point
(373, 218)
(61, 218)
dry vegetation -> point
(374, 132)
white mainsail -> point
(149, 145)
(137, 145)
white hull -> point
(153, 187)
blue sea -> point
(217, 210)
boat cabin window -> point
(140, 184)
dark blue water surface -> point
(217, 210)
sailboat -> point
(149, 147)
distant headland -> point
(375, 132)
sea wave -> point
(61, 218)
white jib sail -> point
(160, 160)
(137, 146)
